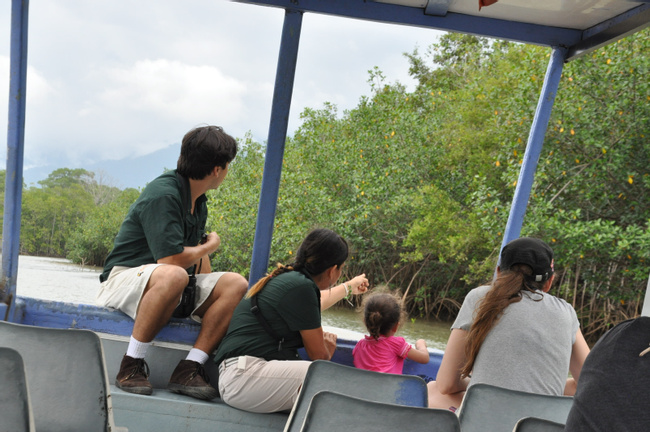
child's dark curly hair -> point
(381, 312)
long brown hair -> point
(507, 288)
(320, 250)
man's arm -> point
(191, 255)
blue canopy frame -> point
(503, 21)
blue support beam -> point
(15, 147)
(282, 93)
(534, 145)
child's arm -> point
(420, 353)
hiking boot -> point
(189, 378)
(133, 375)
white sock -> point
(197, 355)
(137, 349)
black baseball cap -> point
(530, 251)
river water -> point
(59, 280)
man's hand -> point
(212, 242)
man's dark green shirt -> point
(158, 224)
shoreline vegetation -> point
(420, 182)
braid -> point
(374, 321)
(280, 268)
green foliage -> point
(64, 178)
(50, 214)
(233, 208)
(72, 214)
(91, 242)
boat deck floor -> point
(167, 411)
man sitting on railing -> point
(161, 243)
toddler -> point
(382, 351)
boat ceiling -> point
(580, 26)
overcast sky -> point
(114, 80)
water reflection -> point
(57, 279)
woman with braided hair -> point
(259, 366)
(512, 333)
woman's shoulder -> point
(292, 279)
(293, 284)
(558, 302)
(477, 293)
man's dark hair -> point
(204, 148)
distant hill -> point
(125, 173)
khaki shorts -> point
(256, 385)
(125, 285)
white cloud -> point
(174, 91)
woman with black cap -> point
(512, 333)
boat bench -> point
(360, 415)
(406, 390)
(167, 411)
(65, 375)
(15, 406)
(488, 408)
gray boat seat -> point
(322, 375)
(329, 411)
(488, 408)
(66, 377)
(15, 407)
(534, 424)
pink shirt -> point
(385, 354)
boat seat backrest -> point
(534, 424)
(66, 376)
(488, 408)
(322, 375)
(330, 411)
(15, 407)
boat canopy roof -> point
(580, 26)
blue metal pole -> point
(285, 74)
(534, 145)
(15, 146)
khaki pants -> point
(256, 385)
(125, 285)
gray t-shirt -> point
(529, 347)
